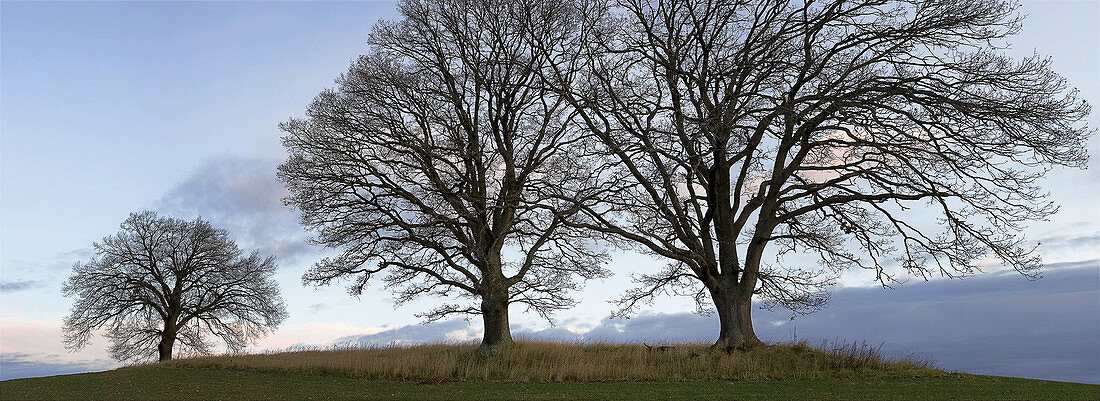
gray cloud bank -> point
(997, 324)
(243, 196)
(17, 365)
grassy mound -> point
(547, 361)
(538, 370)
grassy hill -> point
(546, 371)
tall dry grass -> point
(549, 361)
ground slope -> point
(545, 370)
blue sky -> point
(109, 108)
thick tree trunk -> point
(735, 318)
(164, 349)
(494, 312)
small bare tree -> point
(431, 159)
(836, 128)
(161, 280)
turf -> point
(179, 383)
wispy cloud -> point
(12, 286)
(1085, 241)
(40, 274)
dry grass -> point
(547, 361)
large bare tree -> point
(161, 280)
(430, 160)
(751, 131)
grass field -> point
(531, 371)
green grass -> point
(546, 371)
(172, 383)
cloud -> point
(26, 274)
(12, 286)
(1080, 264)
(1072, 242)
(1000, 324)
(446, 331)
(550, 333)
(18, 365)
(30, 348)
(243, 196)
(62, 262)
(309, 335)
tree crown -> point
(430, 159)
(830, 128)
(160, 276)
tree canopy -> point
(160, 280)
(749, 131)
(431, 160)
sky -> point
(108, 108)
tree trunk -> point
(164, 349)
(494, 312)
(735, 318)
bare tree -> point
(430, 160)
(837, 129)
(161, 280)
